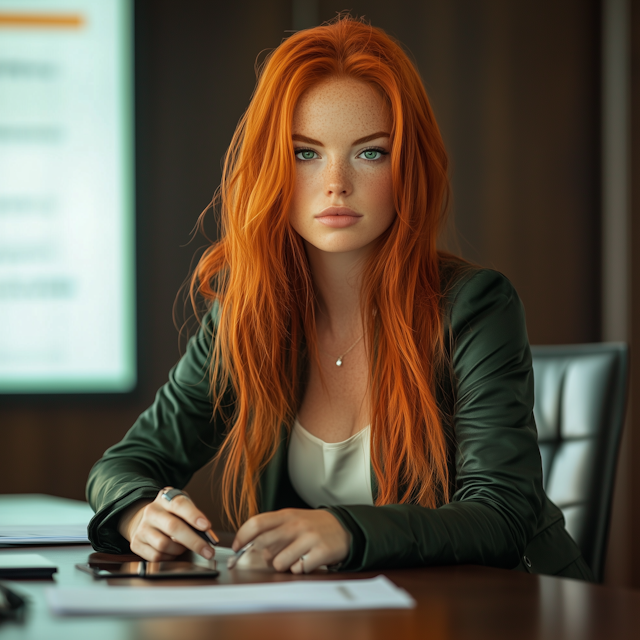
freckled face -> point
(343, 194)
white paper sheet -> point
(222, 554)
(302, 595)
(41, 519)
(252, 559)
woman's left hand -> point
(285, 536)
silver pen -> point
(233, 560)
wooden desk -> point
(454, 603)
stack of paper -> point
(41, 519)
(298, 595)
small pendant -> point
(339, 362)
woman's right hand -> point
(157, 530)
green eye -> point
(373, 154)
(305, 154)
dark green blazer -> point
(499, 514)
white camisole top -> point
(330, 473)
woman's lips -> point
(338, 217)
(338, 221)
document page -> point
(301, 595)
(41, 519)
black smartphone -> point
(149, 570)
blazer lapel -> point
(275, 488)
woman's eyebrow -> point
(379, 134)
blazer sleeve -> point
(168, 443)
(498, 477)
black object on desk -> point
(26, 565)
(11, 604)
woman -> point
(344, 364)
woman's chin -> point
(355, 248)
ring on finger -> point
(302, 559)
(170, 494)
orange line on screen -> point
(41, 20)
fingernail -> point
(202, 523)
(206, 553)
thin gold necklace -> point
(339, 360)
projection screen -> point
(67, 218)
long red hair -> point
(259, 275)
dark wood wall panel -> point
(50, 449)
(623, 560)
(629, 555)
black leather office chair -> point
(580, 397)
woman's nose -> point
(337, 179)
